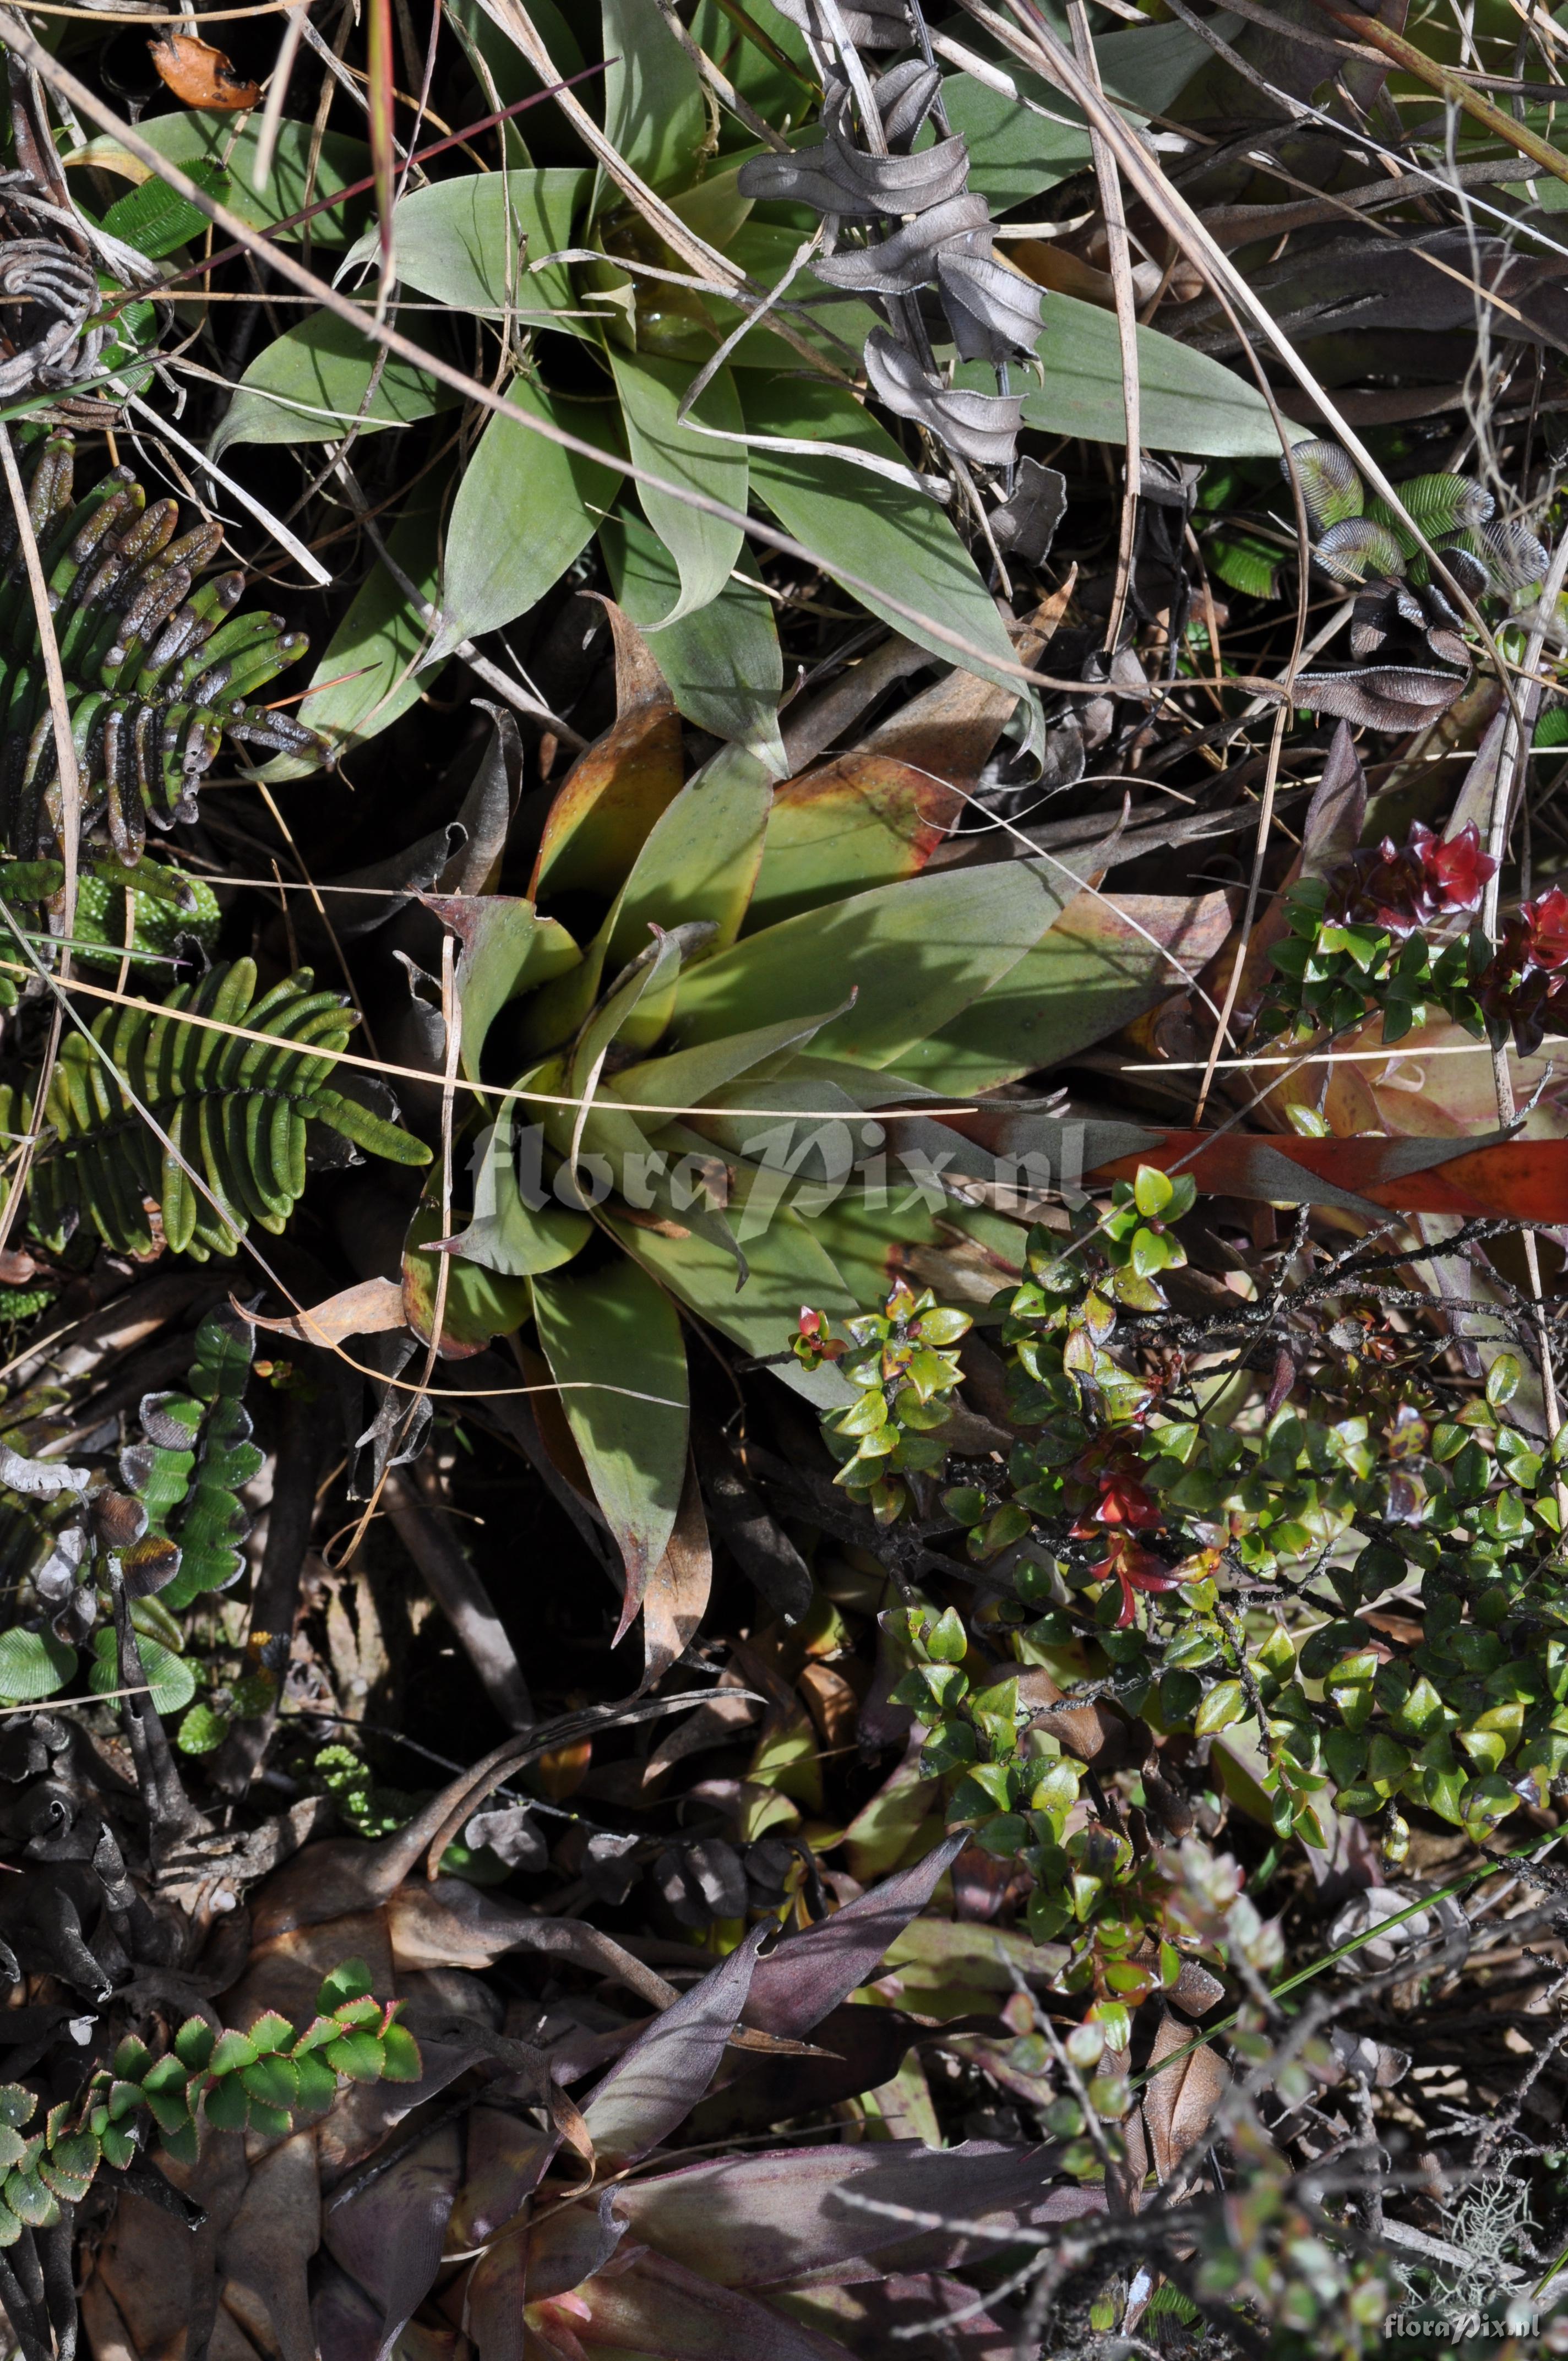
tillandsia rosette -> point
(158, 667)
(935, 241)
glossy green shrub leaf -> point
(357, 2053)
(401, 2057)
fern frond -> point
(235, 1111)
(191, 1494)
(158, 669)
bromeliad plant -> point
(680, 1044)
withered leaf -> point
(1379, 697)
(1180, 2100)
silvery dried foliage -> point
(940, 241)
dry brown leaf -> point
(1179, 2103)
(504, 2160)
(1125, 2180)
(831, 1703)
(107, 2335)
(366, 1310)
(272, 2237)
(674, 1597)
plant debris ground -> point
(782, 899)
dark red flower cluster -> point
(1544, 927)
(1401, 887)
(1528, 974)
(1117, 1505)
(1135, 1568)
(1113, 1477)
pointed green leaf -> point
(1015, 152)
(373, 667)
(653, 109)
(470, 242)
(894, 538)
(862, 820)
(703, 547)
(613, 1341)
(306, 164)
(686, 1078)
(787, 1269)
(700, 859)
(478, 1304)
(916, 954)
(508, 1233)
(316, 381)
(507, 950)
(1095, 970)
(1187, 401)
(723, 665)
(610, 800)
(524, 511)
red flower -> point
(1135, 1569)
(815, 1344)
(1456, 872)
(1529, 972)
(1545, 929)
(1401, 887)
(1117, 1474)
